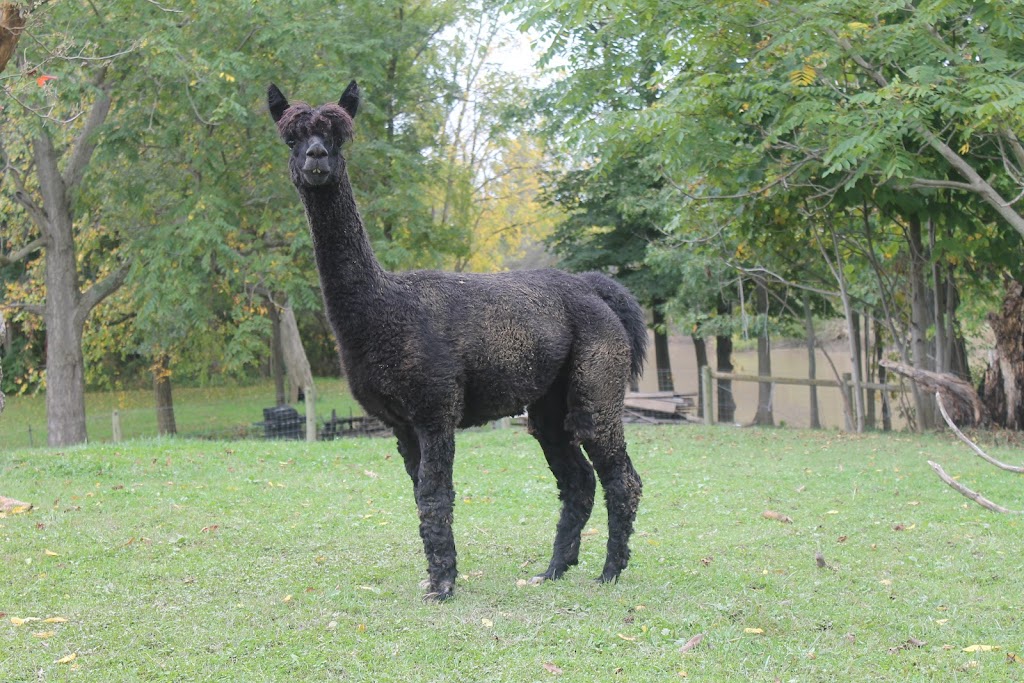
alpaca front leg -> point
(435, 500)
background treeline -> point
(743, 167)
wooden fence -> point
(848, 385)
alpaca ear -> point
(350, 99)
(276, 102)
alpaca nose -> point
(316, 150)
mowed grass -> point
(178, 560)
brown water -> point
(790, 404)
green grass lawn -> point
(225, 412)
(179, 560)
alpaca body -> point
(429, 352)
(465, 349)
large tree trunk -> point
(723, 359)
(12, 22)
(67, 307)
(764, 416)
(1002, 389)
(661, 358)
(165, 423)
(299, 373)
(65, 364)
(700, 348)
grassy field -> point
(226, 412)
(178, 560)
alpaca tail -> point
(625, 306)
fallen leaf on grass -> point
(625, 637)
(552, 668)
(980, 648)
(67, 660)
(14, 507)
(754, 631)
(777, 516)
(487, 623)
(18, 621)
(1013, 658)
(691, 643)
(55, 620)
(44, 634)
(50, 553)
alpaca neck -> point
(350, 275)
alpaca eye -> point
(290, 143)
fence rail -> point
(848, 385)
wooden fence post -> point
(708, 390)
(116, 418)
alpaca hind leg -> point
(409, 449)
(622, 490)
(576, 483)
(435, 499)
(597, 387)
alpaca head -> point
(315, 135)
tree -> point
(845, 114)
(47, 172)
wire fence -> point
(229, 413)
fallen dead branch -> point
(963, 490)
(981, 454)
(957, 486)
(969, 408)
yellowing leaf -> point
(754, 631)
(625, 637)
(18, 622)
(803, 76)
(44, 634)
(980, 648)
(965, 148)
(487, 623)
(287, 598)
(50, 553)
(67, 660)
(55, 620)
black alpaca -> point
(428, 352)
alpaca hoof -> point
(424, 584)
(607, 578)
(538, 580)
(438, 596)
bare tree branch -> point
(24, 252)
(86, 143)
(102, 289)
(974, 447)
(963, 490)
(925, 183)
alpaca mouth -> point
(316, 176)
